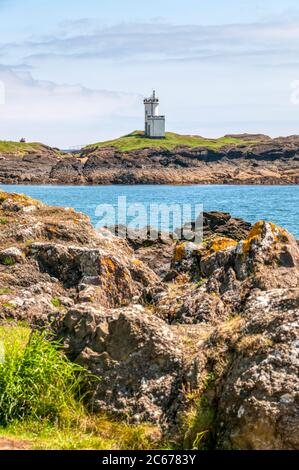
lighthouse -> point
(154, 123)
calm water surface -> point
(276, 203)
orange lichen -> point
(219, 244)
(256, 231)
(136, 262)
(179, 251)
(109, 265)
(18, 198)
(279, 232)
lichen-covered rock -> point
(221, 329)
(139, 359)
(114, 281)
(269, 253)
(200, 260)
(52, 258)
(190, 304)
(11, 256)
(266, 244)
(227, 271)
(185, 259)
(259, 398)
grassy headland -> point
(136, 141)
(19, 148)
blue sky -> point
(75, 72)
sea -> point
(106, 205)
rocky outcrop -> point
(139, 359)
(226, 271)
(252, 296)
(206, 348)
(96, 273)
(52, 258)
(262, 161)
(259, 398)
(155, 248)
(31, 166)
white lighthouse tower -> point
(154, 123)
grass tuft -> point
(5, 291)
(56, 302)
(200, 425)
(41, 400)
(8, 261)
(36, 381)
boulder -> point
(153, 247)
(52, 258)
(114, 281)
(216, 223)
(138, 358)
(259, 399)
(11, 256)
(226, 271)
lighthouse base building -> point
(154, 123)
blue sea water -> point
(278, 204)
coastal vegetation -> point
(136, 141)
(136, 159)
(19, 148)
(42, 399)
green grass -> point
(14, 338)
(88, 432)
(41, 400)
(8, 261)
(42, 405)
(20, 148)
(9, 306)
(5, 291)
(36, 380)
(136, 140)
(199, 424)
(56, 302)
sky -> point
(74, 73)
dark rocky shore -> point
(266, 161)
(200, 339)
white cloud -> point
(156, 41)
(55, 113)
(224, 73)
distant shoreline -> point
(178, 160)
(143, 184)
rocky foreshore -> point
(200, 339)
(262, 161)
